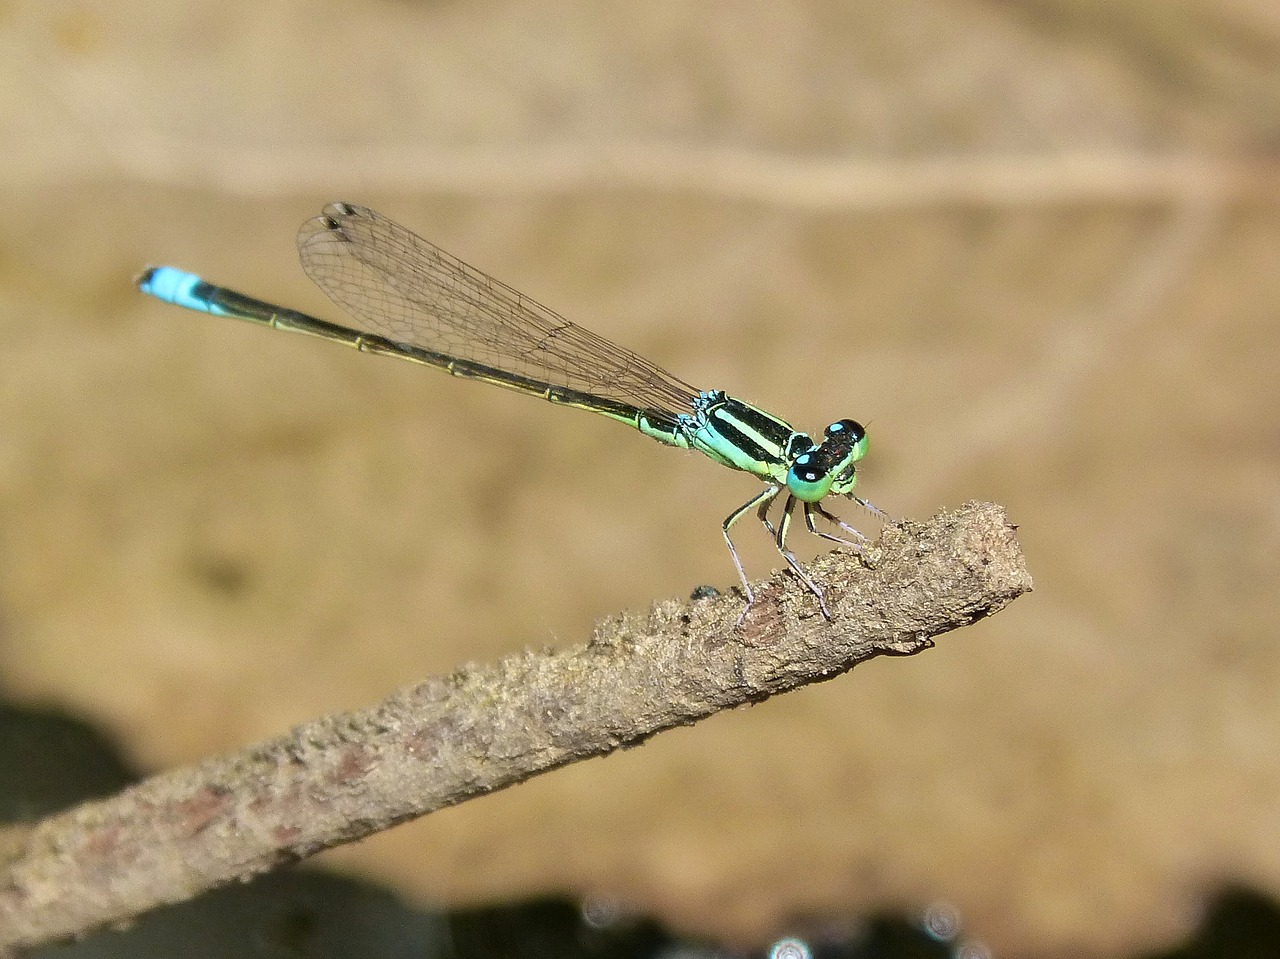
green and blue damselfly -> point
(419, 303)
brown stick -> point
(447, 739)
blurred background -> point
(1033, 245)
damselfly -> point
(417, 302)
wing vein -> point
(410, 291)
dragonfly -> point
(416, 302)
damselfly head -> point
(828, 467)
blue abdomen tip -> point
(174, 286)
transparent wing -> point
(409, 290)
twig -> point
(784, 180)
(447, 739)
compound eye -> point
(849, 437)
(805, 470)
(849, 430)
(807, 480)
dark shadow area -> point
(49, 761)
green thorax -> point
(744, 437)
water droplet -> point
(601, 912)
(790, 948)
(941, 920)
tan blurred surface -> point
(1033, 245)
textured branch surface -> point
(450, 738)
